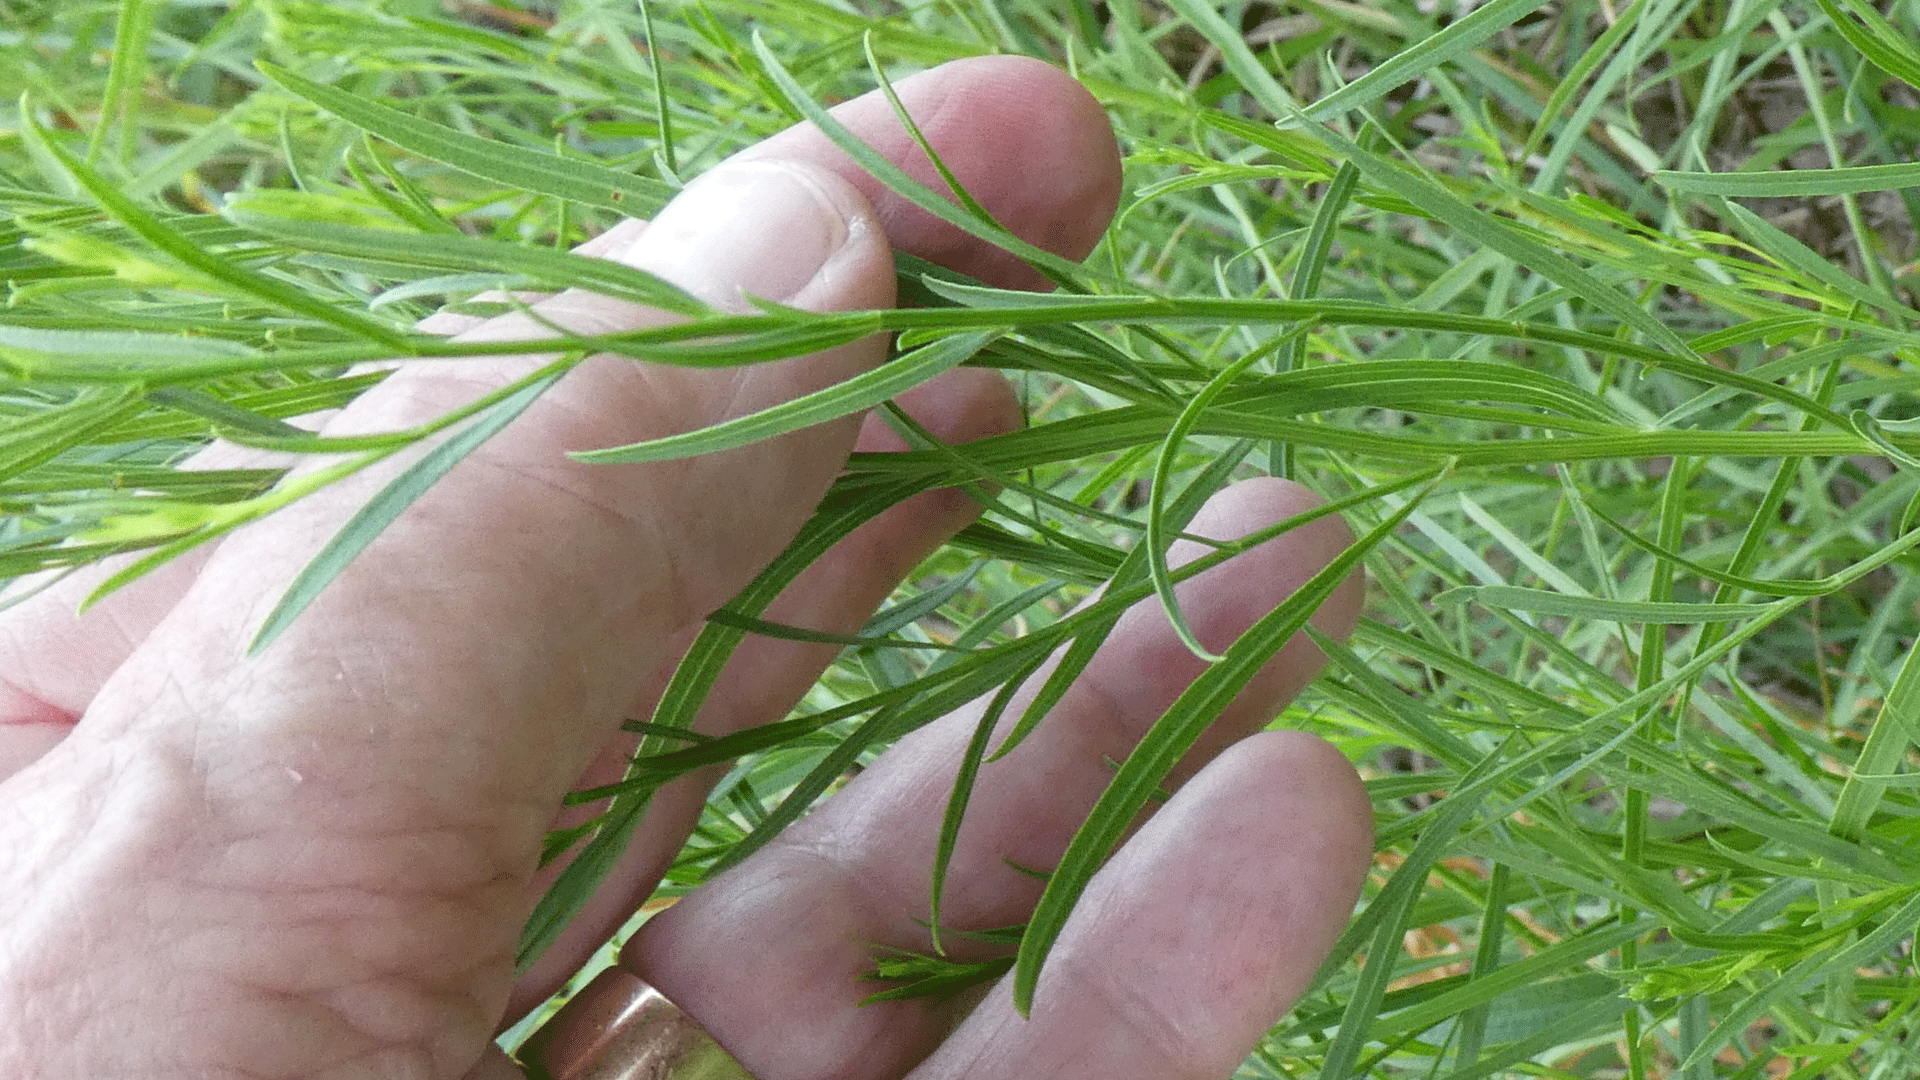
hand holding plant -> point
(314, 862)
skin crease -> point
(315, 863)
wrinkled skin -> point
(315, 863)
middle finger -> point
(770, 955)
(765, 677)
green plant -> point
(1597, 325)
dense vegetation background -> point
(1596, 319)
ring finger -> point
(770, 956)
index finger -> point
(363, 803)
(1022, 137)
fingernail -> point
(760, 228)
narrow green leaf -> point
(966, 199)
(1146, 768)
(1129, 571)
(1306, 282)
(1872, 429)
(53, 355)
(927, 601)
(512, 166)
(1486, 229)
(45, 434)
(1541, 602)
(962, 793)
(897, 179)
(1851, 180)
(400, 493)
(763, 628)
(1159, 538)
(863, 391)
(1394, 908)
(196, 257)
(224, 414)
(126, 70)
(662, 113)
(328, 225)
(1237, 56)
(1764, 586)
(1895, 730)
(1424, 55)
(1879, 41)
(1789, 250)
(1581, 1024)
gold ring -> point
(620, 1028)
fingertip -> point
(1275, 837)
(1055, 178)
(1202, 931)
(779, 228)
(1023, 137)
(1286, 830)
(1309, 775)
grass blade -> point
(515, 167)
(1493, 233)
(1424, 55)
(1541, 602)
(153, 230)
(1850, 180)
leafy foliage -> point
(1597, 323)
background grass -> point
(1596, 319)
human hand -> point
(315, 863)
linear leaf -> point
(897, 179)
(303, 221)
(1394, 907)
(1159, 539)
(1493, 232)
(393, 500)
(783, 632)
(223, 414)
(1851, 180)
(1893, 733)
(45, 434)
(1424, 55)
(962, 793)
(195, 256)
(1141, 775)
(1127, 572)
(1236, 56)
(1879, 41)
(863, 391)
(515, 167)
(1542, 602)
(56, 354)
